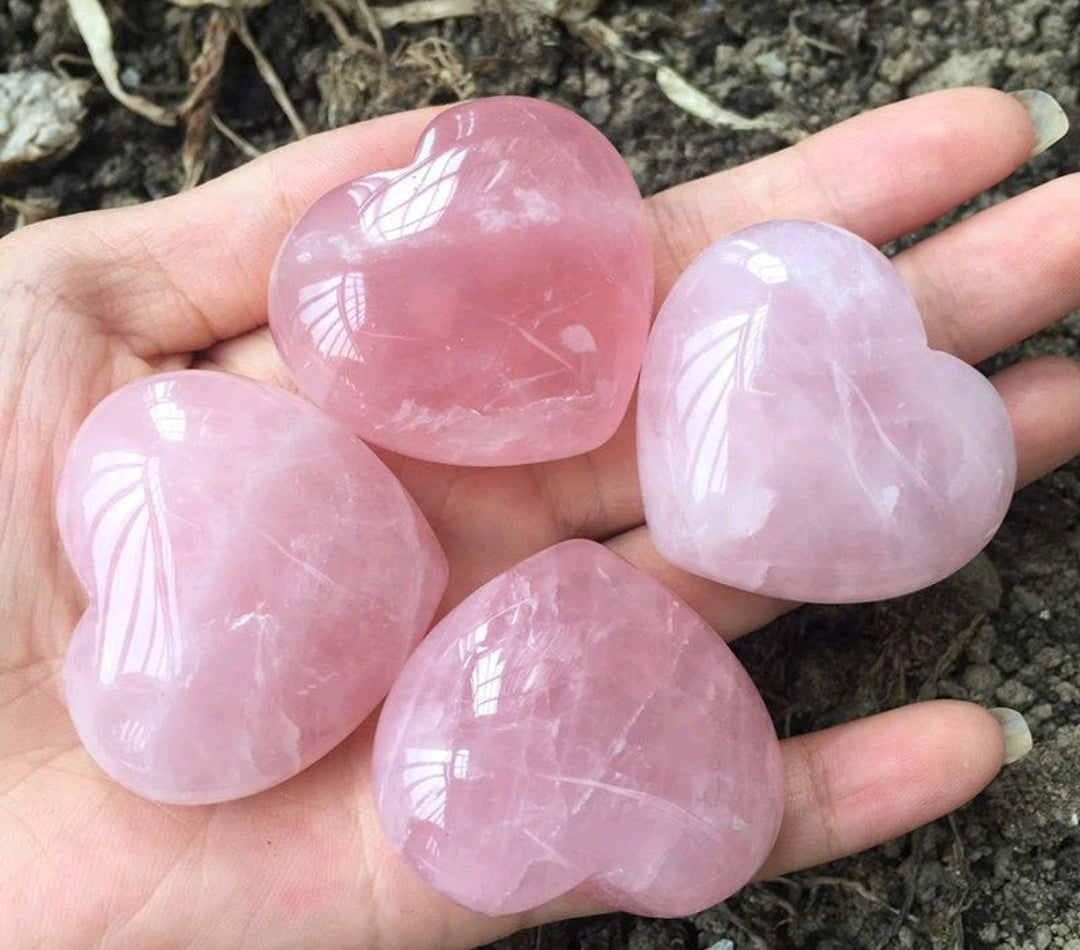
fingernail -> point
(1047, 116)
(1016, 732)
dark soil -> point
(1003, 873)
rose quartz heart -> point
(796, 435)
(256, 579)
(486, 305)
(573, 726)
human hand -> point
(96, 300)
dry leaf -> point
(693, 100)
(224, 4)
(428, 11)
(205, 77)
(425, 11)
(40, 118)
(30, 210)
(96, 31)
(573, 11)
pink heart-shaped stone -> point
(572, 725)
(486, 305)
(796, 435)
(256, 579)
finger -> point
(1043, 399)
(881, 175)
(179, 274)
(733, 613)
(1001, 275)
(183, 273)
(856, 785)
(252, 355)
(1042, 396)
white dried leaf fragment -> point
(40, 117)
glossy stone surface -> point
(256, 579)
(574, 726)
(486, 305)
(796, 435)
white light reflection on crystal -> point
(577, 339)
(425, 775)
(464, 123)
(131, 738)
(486, 681)
(134, 573)
(716, 361)
(334, 310)
(168, 417)
(712, 364)
(414, 201)
(766, 267)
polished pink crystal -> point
(256, 579)
(796, 435)
(486, 305)
(573, 726)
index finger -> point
(184, 273)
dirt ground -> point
(1003, 873)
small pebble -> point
(772, 64)
(982, 678)
(1014, 693)
(1040, 713)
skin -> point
(95, 300)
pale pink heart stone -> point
(796, 435)
(486, 305)
(256, 579)
(573, 726)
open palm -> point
(93, 301)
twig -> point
(224, 4)
(337, 25)
(855, 887)
(268, 73)
(196, 110)
(692, 100)
(60, 61)
(29, 211)
(242, 144)
(373, 27)
(425, 11)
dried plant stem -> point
(425, 11)
(94, 27)
(266, 70)
(242, 144)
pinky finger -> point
(854, 786)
